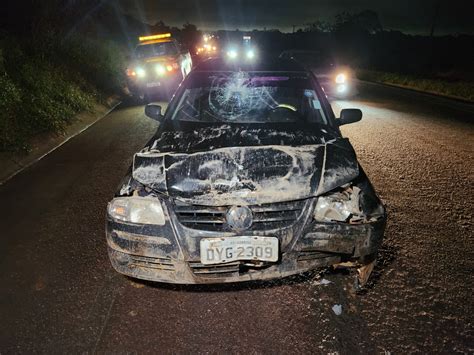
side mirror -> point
(154, 112)
(350, 115)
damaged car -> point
(247, 178)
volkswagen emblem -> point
(239, 218)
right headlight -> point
(232, 53)
(160, 69)
(141, 210)
(141, 73)
(338, 206)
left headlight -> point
(338, 206)
(137, 210)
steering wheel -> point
(285, 107)
(283, 113)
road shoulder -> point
(12, 163)
(438, 99)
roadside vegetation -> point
(453, 88)
(58, 58)
(47, 80)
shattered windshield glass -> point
(244, 97)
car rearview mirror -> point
(154, 112)
(350, 115)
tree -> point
(366, 21)
(190, 35)
(35, 16)
(160, 27)
(318, 26)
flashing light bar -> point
(153, 37)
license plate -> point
(153, 85)
(226, 249)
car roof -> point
(263, 64)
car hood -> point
(190, 137)
(153, 60)
(160, 59)
(246, 175)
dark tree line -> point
(356, 39)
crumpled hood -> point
(193, 137)
(248, 175)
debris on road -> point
(364, 273)
(337, 309)
(323, 282)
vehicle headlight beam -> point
(141, 73)
(232, 53)
(341, 78)
(160, 69)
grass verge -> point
(455, 89)
(46, 81)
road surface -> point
(59, 293)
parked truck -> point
(158, 65)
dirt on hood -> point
(248, 175)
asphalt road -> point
(58, 292)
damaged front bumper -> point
(170, 253)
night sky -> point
(411, 16)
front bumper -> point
(157, 84)
(170, 253)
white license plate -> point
(153, 85)
(226, 249)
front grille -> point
(265, 217)
(220, 270)
(164, 264)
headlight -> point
(140, 72)
(338, 206)
(341, 78)
(137, 210)
(232, 53)
(250, 54)
(160, 69)
(341, 88)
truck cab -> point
(158, 66)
